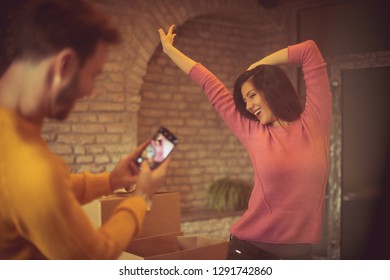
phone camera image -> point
(158, 148)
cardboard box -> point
(176, 247)
(161, 237)
(162, 219)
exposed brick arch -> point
(140, 21)
(103, 128)
(213, 35)
(110, 124)
(150, 15)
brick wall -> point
(207, 150)
(140, 89)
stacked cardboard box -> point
(161, 237)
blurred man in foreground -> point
(60, 48)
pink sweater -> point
(290, 164)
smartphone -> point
(158, 149)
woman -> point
(287, 143)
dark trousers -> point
(243, 250)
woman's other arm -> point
(277, 58)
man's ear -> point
(65, 65)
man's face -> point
(80, 85)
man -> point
(60, 47)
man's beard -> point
(65, 100)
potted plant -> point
(228, 194)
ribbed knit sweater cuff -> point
(97, 185)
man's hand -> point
(126, 171)
(149, 181)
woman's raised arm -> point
(181, 60)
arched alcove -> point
(207, 150)
(224, 35)
(226, 44)
(105, 127)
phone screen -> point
(158, 148)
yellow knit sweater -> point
(40, 202)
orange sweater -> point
(40, 202)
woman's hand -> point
(167, 38)
(184, 62)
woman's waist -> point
(284, 249)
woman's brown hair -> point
(274, 85)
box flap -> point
(168, 247)
(191, 242)
(164, 218)
(156, 245)
(129, 256)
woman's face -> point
(257, 105)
